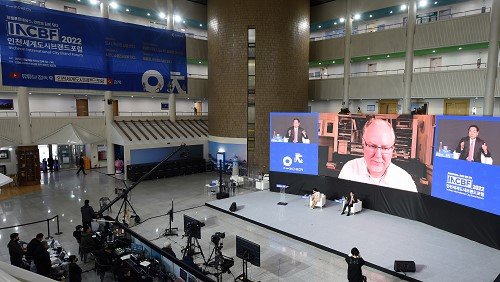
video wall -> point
(414, 153)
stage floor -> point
(381, 238)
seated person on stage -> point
(316, 197)
(349, 202)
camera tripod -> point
(193, 244)
(220, 263)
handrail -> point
(165, 113)
(196, 36)
(401, 71)
(39, 221)
(62, 113)
(8, 113)
(450, 67)
(421, 19)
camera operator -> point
(354, 264)
(167, 248)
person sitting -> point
(167, 248)
(78, 233)
(75, 271)
(189, 260)
(316, 197)
(16, 252)
(34, 244)
(349, 202)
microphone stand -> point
(124, 194)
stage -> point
(381, 238)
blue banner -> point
(294, 143)
(53, 49)
(465, 176)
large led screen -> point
(466, 167)
(389, 150)
(294, 143)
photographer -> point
(354, 264)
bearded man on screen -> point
(376, 167)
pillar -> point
(104, 6)
(170, 25)
(408, 76)
(281, 69)
(347, 54)
(108, 114)
(492, 65)
(24, 115)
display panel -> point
(294, 143)
(393, 151)
(466, 170)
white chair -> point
(320, 203)
(356, 207)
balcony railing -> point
(165, 113)
(62, 114)
(8, 114)
(421, 19)
(401, 71)
(197, 36)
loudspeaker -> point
(222, 195)
(233, 207)
(404, 266)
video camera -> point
(217, 237)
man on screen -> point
(376, 167)
(296, 134)
(471, 147)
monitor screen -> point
(248, 251)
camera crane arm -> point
(126, 191)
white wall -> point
(325, 106)
(197, 69)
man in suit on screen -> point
(471, 147)
(296, 134)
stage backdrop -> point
(422, 168)
(53, 49)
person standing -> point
(354, 264)
(16, 252)
(81, 163)
(34, 244)
(87, 214)
(50, 163)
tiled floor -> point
(63, 193)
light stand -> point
(124, 194)
(244, 276)
(171, 231)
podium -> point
(282, 201)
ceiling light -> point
(319, 26)
(131, 96)
(161, 15)
(201, 25)
(371, 16)
(128, 10)
(342, 20)
(368, 58)
(183, 29)
(183, 21)
(333, 62)
(433, 51)
(422, 3)
(30, 93)
(177, 18)
(403, 7)
(335, 23)
(390, 12)
(149, 14)
(435, 3)
(199, 62)
(113, 5)
(459, 48)
(320, 63)
(59, 94)
(388, 56)
(94, 2)
(357, 16)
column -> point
(104, 6)
(408, 76)
(108, 113)
(24, 115)
(492, 64)
(170, 26)
(347, 54)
